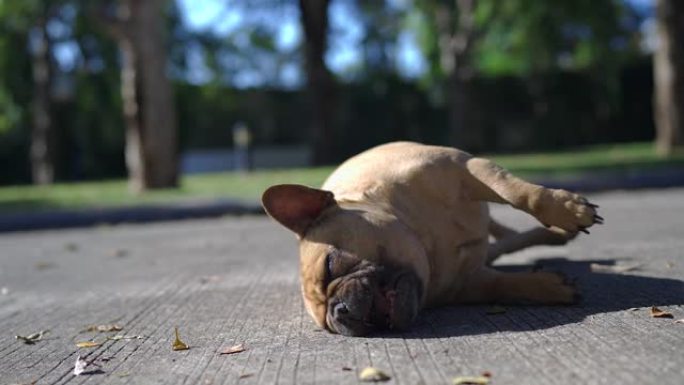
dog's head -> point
(359, 268)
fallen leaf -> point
(43, 265)
(79, 366)
(600, 268)
(32, 338)
(119, 253)
(178, 344)
(347, 369)
(481, 380)
(104, 328)
(245, 375)
(679, 321)
(657, 313)
(371, 374)
(88, 344)
(239, 348)
(210, 278)
(487, 374)
(119, 337)
(495, 310)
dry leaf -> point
(347, 369)
(657, 313)
(245, 375)
(119, 253)
(679, 321)
(481, 380)
(371, 374)
(239, 348)
(88, 344)
(495, 310)
(178, 344)
(32, 338)
(79, 366)
(119, 337)
(600, 268)
(43, 265)
(104, 328)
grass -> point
(248, 187)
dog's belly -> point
(421, 187)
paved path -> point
(229, 281)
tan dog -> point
(405, 226)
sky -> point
(344, 48)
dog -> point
(406, 226)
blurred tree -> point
(148, 106)
(461, 38)
(668, 66)
(27, 22)
(320, 82)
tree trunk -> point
(321, 84)
(455, 46)
(668, 66)
(42, 141)
(148, 107)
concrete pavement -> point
(228, 281)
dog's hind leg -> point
(487, 181)
(509, 240)
(542, 287)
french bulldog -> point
(406, 226)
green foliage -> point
(523, 37)
(9, 112)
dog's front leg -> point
(552, 207)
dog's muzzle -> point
(386, 301)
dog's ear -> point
(296, 206)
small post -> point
(241, 143)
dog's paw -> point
(565, 210)
(554, 289)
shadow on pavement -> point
(601, 293)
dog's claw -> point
(598, 219)
(584, 230)
(593, 206)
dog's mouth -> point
(366, 304)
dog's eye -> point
(330, 265)
(337, 264)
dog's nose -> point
(340, 310)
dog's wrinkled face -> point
(363, 296)
(354, 279)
